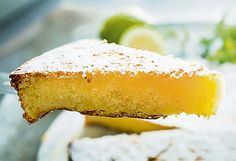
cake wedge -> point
(168, 145)
(97, 78)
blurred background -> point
(197, 30)
(29, 28)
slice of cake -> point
(173, 145)
(128, 125)
(97, 78)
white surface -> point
(65, 128)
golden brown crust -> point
(94, 113)
(15, 80)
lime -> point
(142, 37)
(115, 25)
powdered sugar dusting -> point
(92, 55)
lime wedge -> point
(115, 25)
(143, 37)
